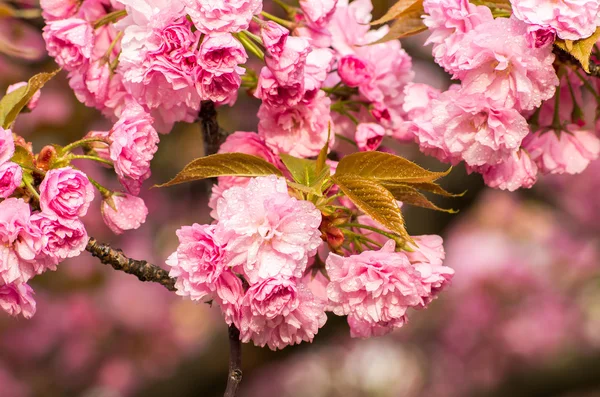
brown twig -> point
(213, 135)
(235, 362)
(143, 270)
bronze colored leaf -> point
(224, 164)
(384, 167)
(409, 195)
(402, 6)
(580, 49)
(407, 24)
(374, 200)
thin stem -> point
(346, 139)
(556, 117)
(105, 192)
(92, 158)
(108, 18)
(588, 86)
(235, 362)
(254, 37)
(371, 228)
(250, 45)
(31, 189)
(280, 21)
(79, 143)
(361, 237)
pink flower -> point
(496, 60)
(448, 21)
(226, 16)
(518, 171)
(129, 213)
(300, 130)
(58, 9)
(318, 12)
(66, 192)
(349, 26)
(198, 263)
(249, 143)
(159, 66)
(566, 152)
(63, 238)
(355, 71)
(17, 298)
(274, 37)
(273, 94)
(571, 19)
(7, 145)
(70, 41)
(221, 53)
(268, 233)
(475, 131)
(11, 175)
(375, 289)
(101, 149)
(539, 36)
(369, 136)
(417, 99)
(220, 88)
(427, 257)
(97, 82)
(134, 142)
(229, 294)
(278, 312)
(288, 68)
(33, 101)
(20, 242)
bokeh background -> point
(522, 317)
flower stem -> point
(280, 21)
(92, 158)
(250, 45)
(392, 236)
(82, 142)
(109, 18)
(31, 189)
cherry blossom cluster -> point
(515, 112)
(260, 261)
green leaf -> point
(224, 164)
(396, 11)
(374, 200)
(23, 157)
(409, 195)
(384, 167)
(12, 104)
(580, 49)
(303, 171)
(435, 189)
(322, 158)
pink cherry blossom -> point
(221, 53)
(229, 294)
(288, 68)
(69, 41)
(279, 312)
(17, 298)
(448, 21)
(267, 232)
(63, 238)
(300, 130)
(496, 60)
(219, 87)
(7, 145)
(274, 37)
(417, 98)
(20, 242)
(518, 171)
(66, 192)
(369, 136)
(567, 152)
(198, 263)
(571, 19)
(159, 66)
(349, 26)
(355, 71)
(274, 94)
(318, 12)
(58, 9)
(539, 36)
(129, 213)
(133, 144)
(375, 289)
(475, 131)
(227, 16)
(33, 101)
(11, 175)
